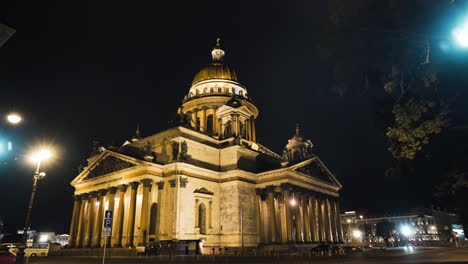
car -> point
(10, 247)
(7, 258)
(409, 247)
(351, 249)
(322, 249)
(37, 249)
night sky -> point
(92, 70)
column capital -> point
(160, 185)
(286, 186)
(270, 188)
(183, 182)
(134, 185)
(85, 196)
(112, 190)
(122, 187)
(259, 191)
(93, 194)
(147, 183)
(173, 182)
(77, 198)
(102, 192)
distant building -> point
(62, 239)
(416, 225)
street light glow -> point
(14, 118)
(357, 234)
(460, 34)
(41, 155)
(406, 230)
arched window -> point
(153, 216)
(202, 218)
(190, 95)
(220, 90)
(233, 90)
(211, 90)
(205, 90)
(209, 124)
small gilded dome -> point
(217, 69)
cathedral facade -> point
(206, 180)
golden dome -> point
(217, 69)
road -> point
(398, 256)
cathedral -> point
(206, 183)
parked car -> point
(351, 249)
(10, 247)
(7, 258)
(322, 250)
(37, 249)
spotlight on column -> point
(5, 33)
(357, 234)
(293, 202)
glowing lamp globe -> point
(357, 234)
(14, 118)
(41, 155)
(406, 230)
(460, 35)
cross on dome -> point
(217, 53)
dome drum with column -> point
(212, 89)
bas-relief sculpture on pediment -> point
(315, 170)
(108, 165)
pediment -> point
(203, 190)
(107, 165)
(316, 169)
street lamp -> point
(406, 230)
(460, 34)
(357, 234)
(37, 157)
(14, 118)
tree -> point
(388, 49)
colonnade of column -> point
(287, 214)
(217, 127)
(86, 228)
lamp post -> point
(37, 157)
